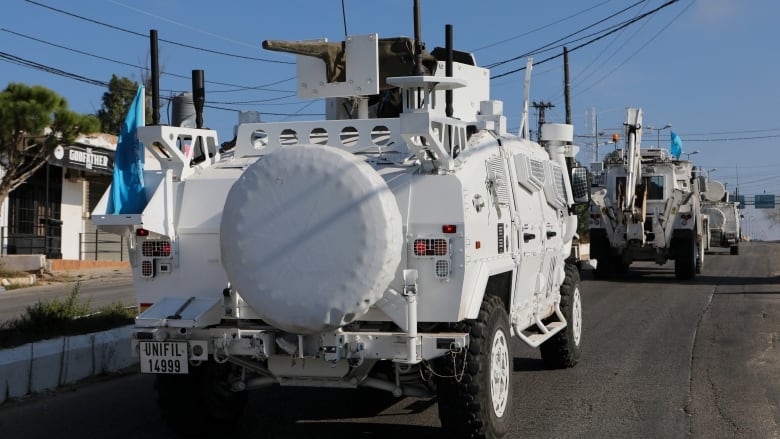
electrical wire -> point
(612, 31)
(81, 52)
(506, 40)
(552, 45)
(111, 26)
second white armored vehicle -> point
(400, 244)
(723, 218)
(646, 207)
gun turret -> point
(396, 57)
(333, 54)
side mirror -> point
(580, 185)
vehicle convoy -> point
(723, 218)
(646, 207)
(398, 245)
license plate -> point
(163, 357)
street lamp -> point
(689, 154)
(658, 131)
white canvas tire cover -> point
(311, 237)
(717, 218)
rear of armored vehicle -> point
(397, 253)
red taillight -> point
(449, 228)
(686, 216)
(430, 247)
(141, 232)
(144, 306)
(159, 249)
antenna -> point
(419, 46)
(199, 96)
(524, 131)
(344, 17)
(153, 54)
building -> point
(50, 213)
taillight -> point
(686, 216)
(449, 228)
(430, 247)
(157, 249)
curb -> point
(49, 364)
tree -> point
(33, 121)
(116, 102)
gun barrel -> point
(307, 48)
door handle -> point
(528, 236)
(550, 234)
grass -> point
(60, 317)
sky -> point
(708, 68)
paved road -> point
(101, 287)
(662, 359)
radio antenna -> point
(344, 17)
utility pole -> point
(540, 109)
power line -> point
(13, 59)
(59, 46)
(111, 26)
(612, 31)
(506, 40)
(548, 47)
(733, 138)
(580, 91)
(48, 69)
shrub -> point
(56, 318)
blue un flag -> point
(676, 147)
(127, 188)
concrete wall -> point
(48, 364)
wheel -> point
(685, 257)
(700, 259)
(601, 251)
(201, 402)
(734, 249)
(563, 349)
(477, 402)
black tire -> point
(478, 402)
(200, 403)
(699, 258)
(601, 251)
(563, 349)
(734, 249)
(685, 257)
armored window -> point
(655, 187)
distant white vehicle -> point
(723, 218)
(399, 244)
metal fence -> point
(103, 246)
(95, 245)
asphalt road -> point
(661, 359)
(98, 286)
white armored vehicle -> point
(399, 244)
(723, 218)
(646, 207)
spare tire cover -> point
(717, 218)
(311, 237)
